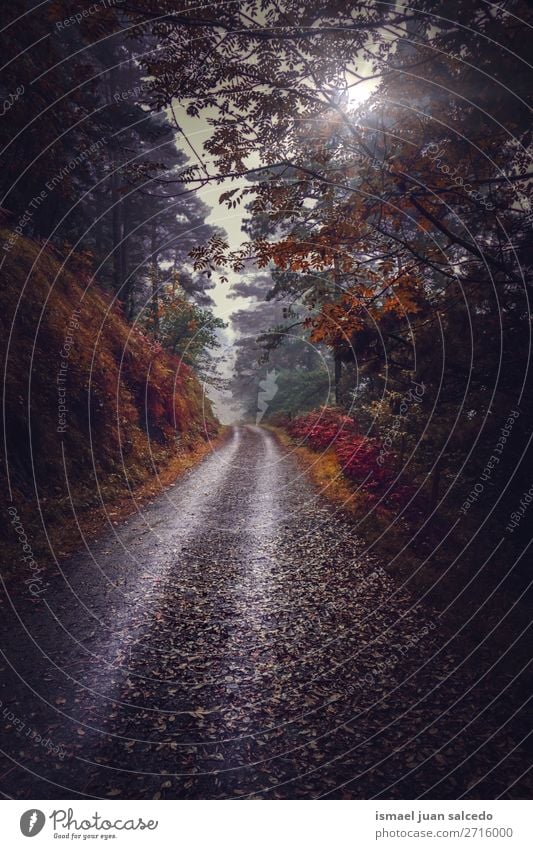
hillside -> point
(93, 410)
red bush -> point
(321, 429)
(361, 457)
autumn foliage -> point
(361, 458)
(359, 455)
(322, 429)
(93, 407)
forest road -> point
(233, 639)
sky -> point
(197, 131)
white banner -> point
(267, 824)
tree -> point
(188, 331)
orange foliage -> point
(84, 385)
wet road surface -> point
(233, 640)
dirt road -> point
(233, 640)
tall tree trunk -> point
(337, 359)
(98, 228)
(127, 283)
(116, 205)
(155, 282)
(338, 375)
(116, 229)
(435, 482)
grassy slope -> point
(135, 417)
